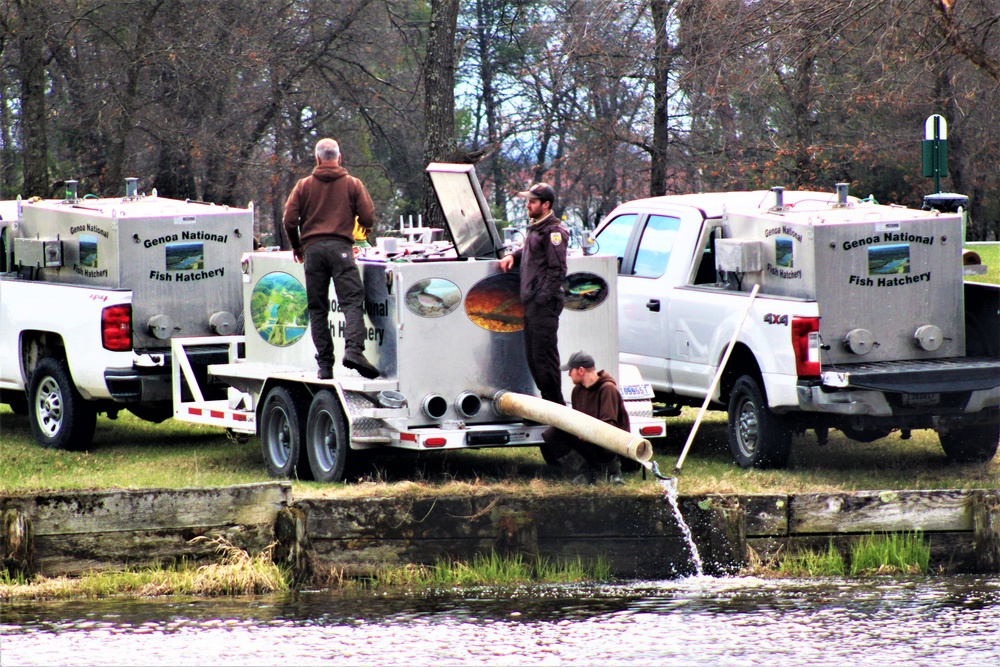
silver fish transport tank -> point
(888, 280)
(444, 324)
(180, 259)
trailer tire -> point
(758, 438)
(971, 444)
(326, 437)
(60, 417)
(282, 429)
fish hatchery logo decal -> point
(278, 309)
(494, 303)
(585, 291)
(433, 297)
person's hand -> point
(507, 263)
(297, 256)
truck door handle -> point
(653, 305)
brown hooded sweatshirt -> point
(602, 400)
(323, 205)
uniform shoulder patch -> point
(556, 238)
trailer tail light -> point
(650, 431)
(435, 442)
(806, 343)
(116, 328)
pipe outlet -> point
(468, 404)
(434, 406)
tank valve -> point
(161, 326)
(928, 337)
(860, 341)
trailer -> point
(444, 327)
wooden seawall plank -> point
(79, 512)
(880, 511)
(75, 532)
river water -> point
(695, 621)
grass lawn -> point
(129, 453)
(990, 254)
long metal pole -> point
(715, 381)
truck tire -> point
(971, 444)
(758, 438)
(326, 438)
(282, 428)
(60, 417)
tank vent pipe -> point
(71, 190)
(131, 188)
(779, 198)
(842, 194)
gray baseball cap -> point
(578, 360)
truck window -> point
(655, 245)
(613, 239)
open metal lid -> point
(465, 210)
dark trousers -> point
(561, 441)
(327, 260)
(541, 347)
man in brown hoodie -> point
(319, 220)
(595, 393)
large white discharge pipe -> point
(581, 425)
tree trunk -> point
(31, 71)
(439, 97)
(662, 54)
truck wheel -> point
(972, 444)
(758, 438)
(282, 425)
(326, 437)
(60, 417)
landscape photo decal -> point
(278, 309)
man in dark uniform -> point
(542, 260)
(595, 393)
(319, 219)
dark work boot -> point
(356, 361)
(325, 372)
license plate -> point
(634, 392)
(921, 399)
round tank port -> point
(859, 341)
(928, 337)
(468, 404)
(161, 326)
(223, 323)
(434, 406)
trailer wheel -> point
(971, 444)
(758, 438)
(326, 437)
(60, 417)
(282, 425)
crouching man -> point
(595, 393)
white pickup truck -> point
(856, 318)
(92, 291)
